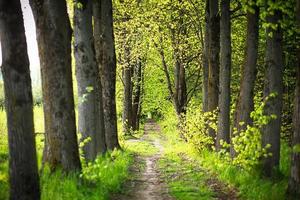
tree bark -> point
(54, 43)
(205, 60)
(293, 190)
(127, 98)
(245, 104)
(213, 61)
(106, 57)
(136, 104)
(273, 84)
(180, 88)
(225, 76)
(23, 170)
(90, 117)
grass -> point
(250, 184)
(97, 180)
(185, 179)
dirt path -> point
(146, 184)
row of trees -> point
(197, 45)
(96, 76)
(219, 70)
(216, 85)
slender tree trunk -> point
(136, 95)
(167, 75)
(54, 43)
(180, 89)
(225, 76)
(273, 84)
(106, 57)
(293, 190)
(245, 104)
(127, 99)
(23, 170)
(90, 121)
(213, 61)
(205, 60)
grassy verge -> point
(249, 183)
(185, 179)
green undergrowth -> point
(97, 180)
(250, 184)
(106, 175)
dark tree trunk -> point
(293, 190)
(225, 76)
(54, 43)
(245, 104)
(205, 60)
(213, 61)
(23, 170)
(90, 119)
(106, 57)
(127, 98)
(273, 84)
(136, 104)
(180, 89)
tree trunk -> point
(205, 60)
(273, 84)
(180, 89)
(23, 170)
(245, 104)
(213, 61)
(225, 76)
(54, 43)
(106, 57)
(127, 98)
(90, 119)
(293, 190)
(136, 95)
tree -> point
(273, 90)
(127, 97)
(225, 75)
(90, 108)
(54, 43)
(245, 103)
(205, 60)
(136, 98)
(213, 60)
(23, 170)
(176, 31)
(293, 190)
(106, 57)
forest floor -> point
(159, 176)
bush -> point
(197, 125)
